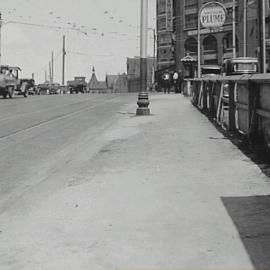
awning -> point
(188, 58)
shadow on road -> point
(251, 216)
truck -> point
(10, 82)
(78, 85)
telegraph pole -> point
(143, 101)
(262, 37)
(52, 67)
(1, 23)
(234, 30)
(245, 28)
(155, 37)
(50, 72)
(63, 64)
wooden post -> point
(253, 95)
(232, 127)
(220, 102)
(205, 84)
(211, 100)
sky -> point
(99, 33)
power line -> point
(46, 26)
(82, 53)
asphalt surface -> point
(35, 130)
(85, 184)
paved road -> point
(86, 187)
(34, 133)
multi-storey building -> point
(217, 45)
(133, 73)
(165, 34)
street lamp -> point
(143, 101)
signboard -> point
(213, 15)
(205, 31)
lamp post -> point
(143, 101)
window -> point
(191, 45)
(161, 24)
(210, 44)
(191, 3)
(191, 20)
(230, 15)
(228, 43)
(161, 7)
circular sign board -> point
(213, 15)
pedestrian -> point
(166, 82)
(175, 81)
(180, 81)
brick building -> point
(165, 34)
(217, 45)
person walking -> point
(176, 82)
(166, 82)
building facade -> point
(165, 34)
(217, 45)
(133, 73)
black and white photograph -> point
(135, 135)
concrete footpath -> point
(166, 191)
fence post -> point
(253, 96)
(232, 110)
(205, 107)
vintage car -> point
(78, 85)
(29, 86)
(10, 82)
(48, 88)
(241, 65)
(210, 70)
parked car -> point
(210, 70)
(241, 65)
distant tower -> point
(93, 70)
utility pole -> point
(1, 23)
(155, 37)
(143, 101)
(262, 37)
(46, 77)
(63, 64)
(52, 68)
(234, 31)
(245, 29)
(50, 72)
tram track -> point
(55, 118)
(44, 110)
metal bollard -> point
(143, 103)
